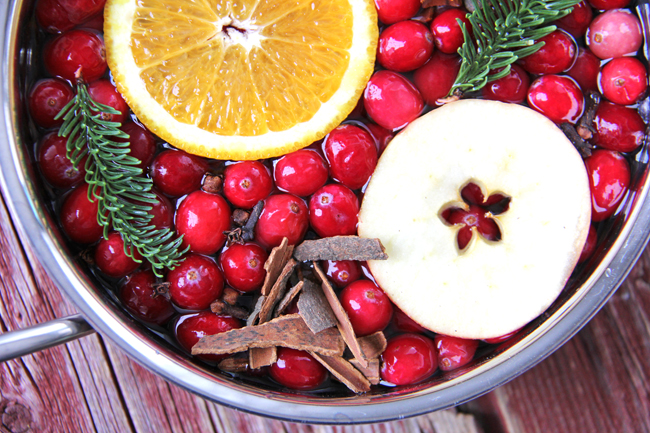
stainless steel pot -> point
(624, 238)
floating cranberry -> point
(585, 70)
(408, 359)
(381, 135)
(609, 179)
(404, 46)
(342, 272)
(301, 172)
(557, 55)
(614, 34)
(609, 4)
(162, 210)
(52, 17)
(297, 369)
(557, 97)
(139, 297)
(284, 215)
(624, 80)
(81, 10)
(590, 245)
(352, 155)
(392, 11)
(454, 352)
(391, 100)
(190, 328)
(112, 260)
(512, 88)
(177, 173)
(141, 142)
(202, 218)
(76, 51)
(402, 322)
(47, 98)
(243, 266)
(333, 211)
(246, 183)
(447, 33)
(55, 165)
(195, 283)
(79, 217)
(577, 22)
(436, 77)
(104, 92)
(367, 306)
(618, 128)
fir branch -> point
(503, 31)
(116, 181)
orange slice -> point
(241, 80)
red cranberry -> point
(436, 77)
(138, 296)
(624, 80)
(392, 11)
(557, 54)
(162, 211)
(367, 306)
(104, 92)
(609, 4)
(243, 266)
(202, 218)
(333, 211)
(381, 135)
(297, 369)
(609, 179)
(195, 283)
(454, 352)
(402, 322)
(190, 328)
(52, 17)
(55, 165)
(352, 155)
(590, 245)
(404, 46)
(391, 100)
(618, 128)
(284, 215)
(79, 217)
(447, 33)
(558, 98)
(585, 70)
(141, 142)
(512, 88)
(615, 33)
(342, 272)
(76, 51)
(301, 172)
(577, 22)
(246, 183)
(46, 100)
(111, 258)
(408, 359)
(177, 173)
(81, 10)
(501, 338)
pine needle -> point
(502, 32)
(116, 181)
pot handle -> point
(42, 336)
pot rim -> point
(32, 222)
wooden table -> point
(598, 382)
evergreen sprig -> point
(116, 181)
(502, 32)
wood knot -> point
(16, 418)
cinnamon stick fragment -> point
(234, 365)
(277, 291)
(288, 297)
(259, 357)
(371, 372)
(252, 318)
(340, 248)
(344, 325)
(373, 345)
(344, 372)
(220, 307)
(314, 308)
(279, 257)
(286, 331)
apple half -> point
(491, 287)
